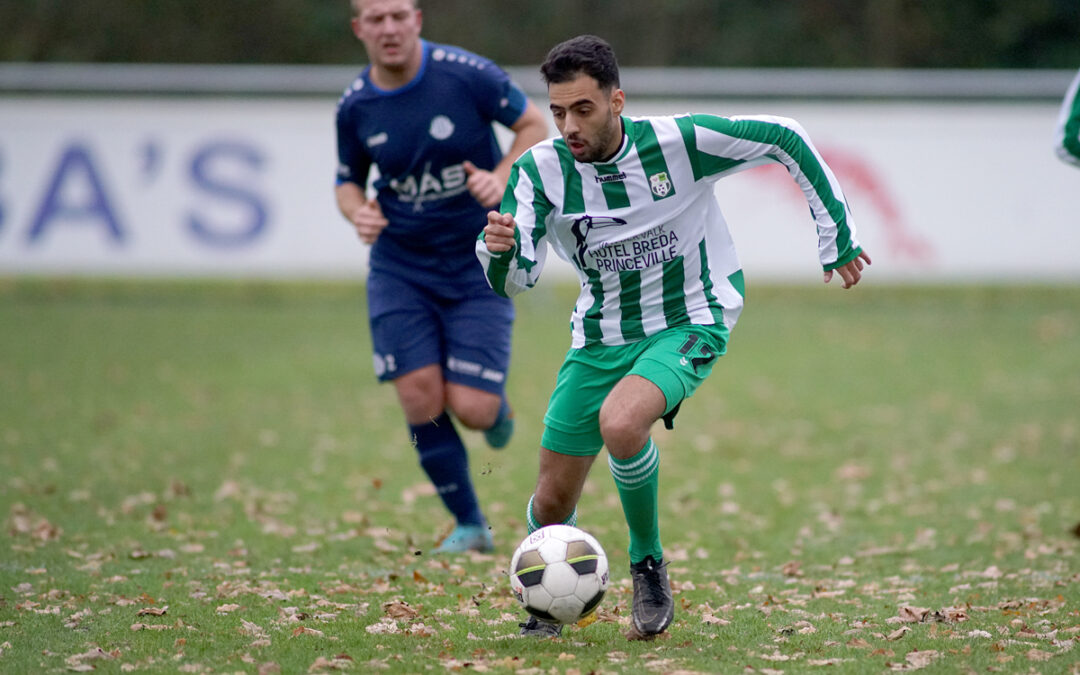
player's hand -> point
(369, 221)
(499, 232)
(483, 185)
(851, 272)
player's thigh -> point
(406, 328)
(477, 332)
(572, 422)
(679, 359)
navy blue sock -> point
(443, 457)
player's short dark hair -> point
(586, 54)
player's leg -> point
(406, 335)
(478, 333)
(668, 370)
(570, 444)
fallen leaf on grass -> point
(149, 626)
(384, 627)
(897, 634)
(708, 618)
(339, 662)
(918, 660)
(76, 661)
(225, 609)
(304, 630)
(399, 610)
(1038, 655)
(913, 614)
(153, 611)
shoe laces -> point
(650, 571)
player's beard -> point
(598, 150)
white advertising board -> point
(242, 187)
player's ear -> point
(355, 26)
(618, 100)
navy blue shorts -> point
(467, 332)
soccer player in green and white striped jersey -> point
(630, 203)
(1067, 136)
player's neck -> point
(397, 76)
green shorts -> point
(676, 360)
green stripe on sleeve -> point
(771, 133)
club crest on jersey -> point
(441, 128)
(660, 185)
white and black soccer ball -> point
(559, 574)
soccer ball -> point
(559, 574)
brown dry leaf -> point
(419, 578)
(399, 610)
(149, 626)
(304, 630)
(75, 661)
(859, 643)
(792, 568)
(1038, 655)
(919, 660)
(252, 629)
(897, 634)
(225, 609)
(709, 618)
(153, 611)
(913, 614)
(322, 663)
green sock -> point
(638, 480)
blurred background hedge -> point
(714, 33)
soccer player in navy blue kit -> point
(422, 113)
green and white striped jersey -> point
(644, 230)
(1067, 134)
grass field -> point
(205, 478)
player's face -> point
(587, 117)
(390, 31)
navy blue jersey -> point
(418, 136)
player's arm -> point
(749, 141)
(1067, 134)
(510, 247)
(529, 129)
(364, 214)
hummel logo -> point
(611, 178)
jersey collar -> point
(624, 147)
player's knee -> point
(421, 397)
(622, 433)
(475, 410)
